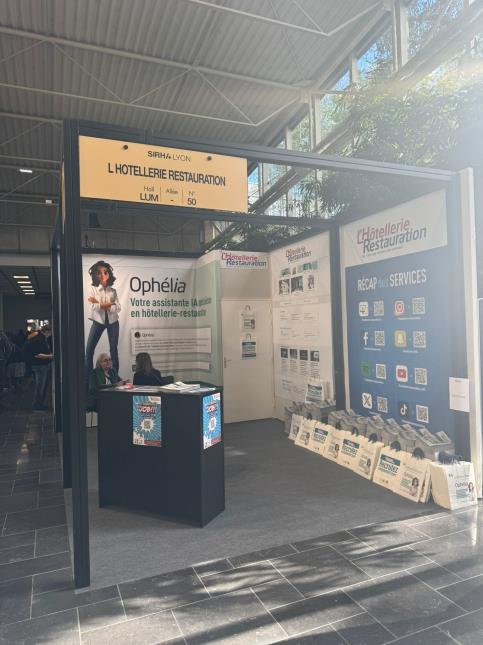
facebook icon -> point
(365, 338)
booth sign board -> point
(135, 172)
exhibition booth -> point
(374, 313)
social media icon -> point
(400, 338)
(367, 400)
(363, 309)
(399, 308)
(365, 337)
(402, 373)
(366, 369)
(403, 408)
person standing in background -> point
(40, 357)
(104, 314)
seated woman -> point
(145, 373)
(102, 376)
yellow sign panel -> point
(135, 172)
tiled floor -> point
(416, 581)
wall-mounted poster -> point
(211, 420)
(146, 421)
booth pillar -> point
(73, 392)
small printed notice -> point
(248, 319)
(459, 394)
(211, 420)
(248, 347)
(146, 421)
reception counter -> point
(162, 452)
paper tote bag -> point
(349, 452)
(453, 485)
(388, 468)
(320, 438)
(367, 458)
(411, 482)
(295, 426)
(334, 444)
(305, 433)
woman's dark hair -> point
(144, 363)
(93, 273)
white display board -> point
(302, 327)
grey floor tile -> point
(277, 593)
(18, 539)
(388, 535)
(15, 600)
(390, 561)
(403, 604)
(142, 597)
(362, 630)
(53, 581)
(52, 475)
(213, 566)
(319, 570)
(434, 575)
(432, 636)
(353, 548)
(322, 636)
(57, 629)
(312, 613)
(48, 603)
(467, 594)
(324, 540)
(262, 554)
(6, 487)
(36, 519)
(461, 553)
(22, 502)
(244, 577)
(233, 618)
(33, 566)
(447, 524)
(467, 630)
(52, 540)
(157, 628)
(17, 553)
(101, 614)
(53, 500)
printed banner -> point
(302, 317)
(397, 311)
(211, 420)
(146, 420)
(163, 307)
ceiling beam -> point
(144, 58)
(30, 166)
(281, 23)
(29, 117)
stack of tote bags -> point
(402, 459)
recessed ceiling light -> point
(26, 171)
(23, 282)
(29, 293)
(21, 277)
(48, 201)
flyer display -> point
(146, 420)
(397, 312)
(211, 420)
